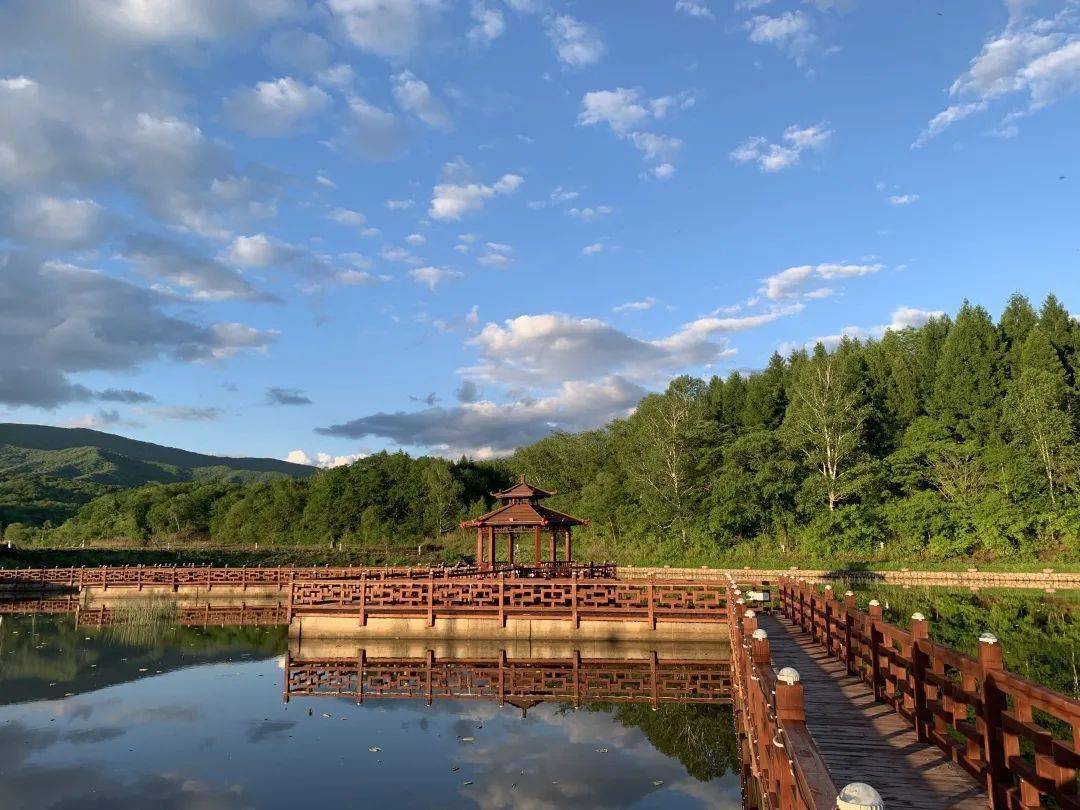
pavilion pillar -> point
(536, 544)
(479, 547)
(551, 542)
(510, 547)
(491, 546)
(566, 542)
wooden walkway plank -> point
(862, 740)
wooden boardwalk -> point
(862, 740)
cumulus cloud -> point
(390, 28)
(276, 107)
(774, 157)
(400, 205)
(63, 146)
(496, 255)
(182, 413)
(286, 396)
(589, 213)
(488, 23)
(313, 269)
(323, 460)
(180, 269)
(485, 429)
(372, 132)
(413, 95)
(576, 44)
(545, 349)
(59, 320)
(903, 317)
(125, 395)
(626, 110)
(454, 197)
(791, 33)
(805, 281)
(903, 199)
(46, 221)
(694, 8)
(1036, 62)
(432, 277)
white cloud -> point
(451, 200)
(636, 306)
(275, 107)
(416, 239)
(314, 269)
(485, 429)
(790, 32)
(625, 110)
(61, 222)
(576, 44)
(390, 28)
(413, 95)
(903, 317)
(533, 350)
(325, 181)
(1039, 58)
(348, 217)
(497, 255)
(393, 253)
(399, 205)
(488, 23)
(373, 132)
(774, 157)
(432, 277)
(793, 282)
(694, 8)
(323, 460)
(339, 77)
(593, 248)
(903, 199)
(149, 22)
(181, 271)
(589, 213)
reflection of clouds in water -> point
(564, 769)
(267, 729)
(88, 786)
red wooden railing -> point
(192, 615)
(573, 680)
(577, 598)
(208, 577)
(982, 716)
(779, 754)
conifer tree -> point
(969, 381)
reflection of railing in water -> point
(649, 601)
(195, 615)
(520, 682)
(148, 576)
(187, 615)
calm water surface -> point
(165, 717)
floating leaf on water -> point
(374, 749)
(657, 782)
(601, 750)
(467, 739)
(455, 769)
(324, 714)
(467, 782)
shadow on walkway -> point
(863, 740)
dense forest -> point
(957, 439)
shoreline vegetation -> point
(947, 446)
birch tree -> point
(825, 421)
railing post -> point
(431, 599)
(652, 601)
(789, 697)
(849, 622)
(920, 631)
(502, 599)
(997, 772)
(875, 655)
(574, 599)
(363, 599)
(827, 615)
(759, 648)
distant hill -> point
(48, 472)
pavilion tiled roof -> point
(523, 514)
(523, 490)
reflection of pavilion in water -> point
(638, 675)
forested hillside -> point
(47, 473)
(956, 439)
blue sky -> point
(324, 228)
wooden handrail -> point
(973, 709)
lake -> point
(152, 715)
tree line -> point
(954, 439)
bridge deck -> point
(862, 740)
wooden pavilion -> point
(522, 515)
